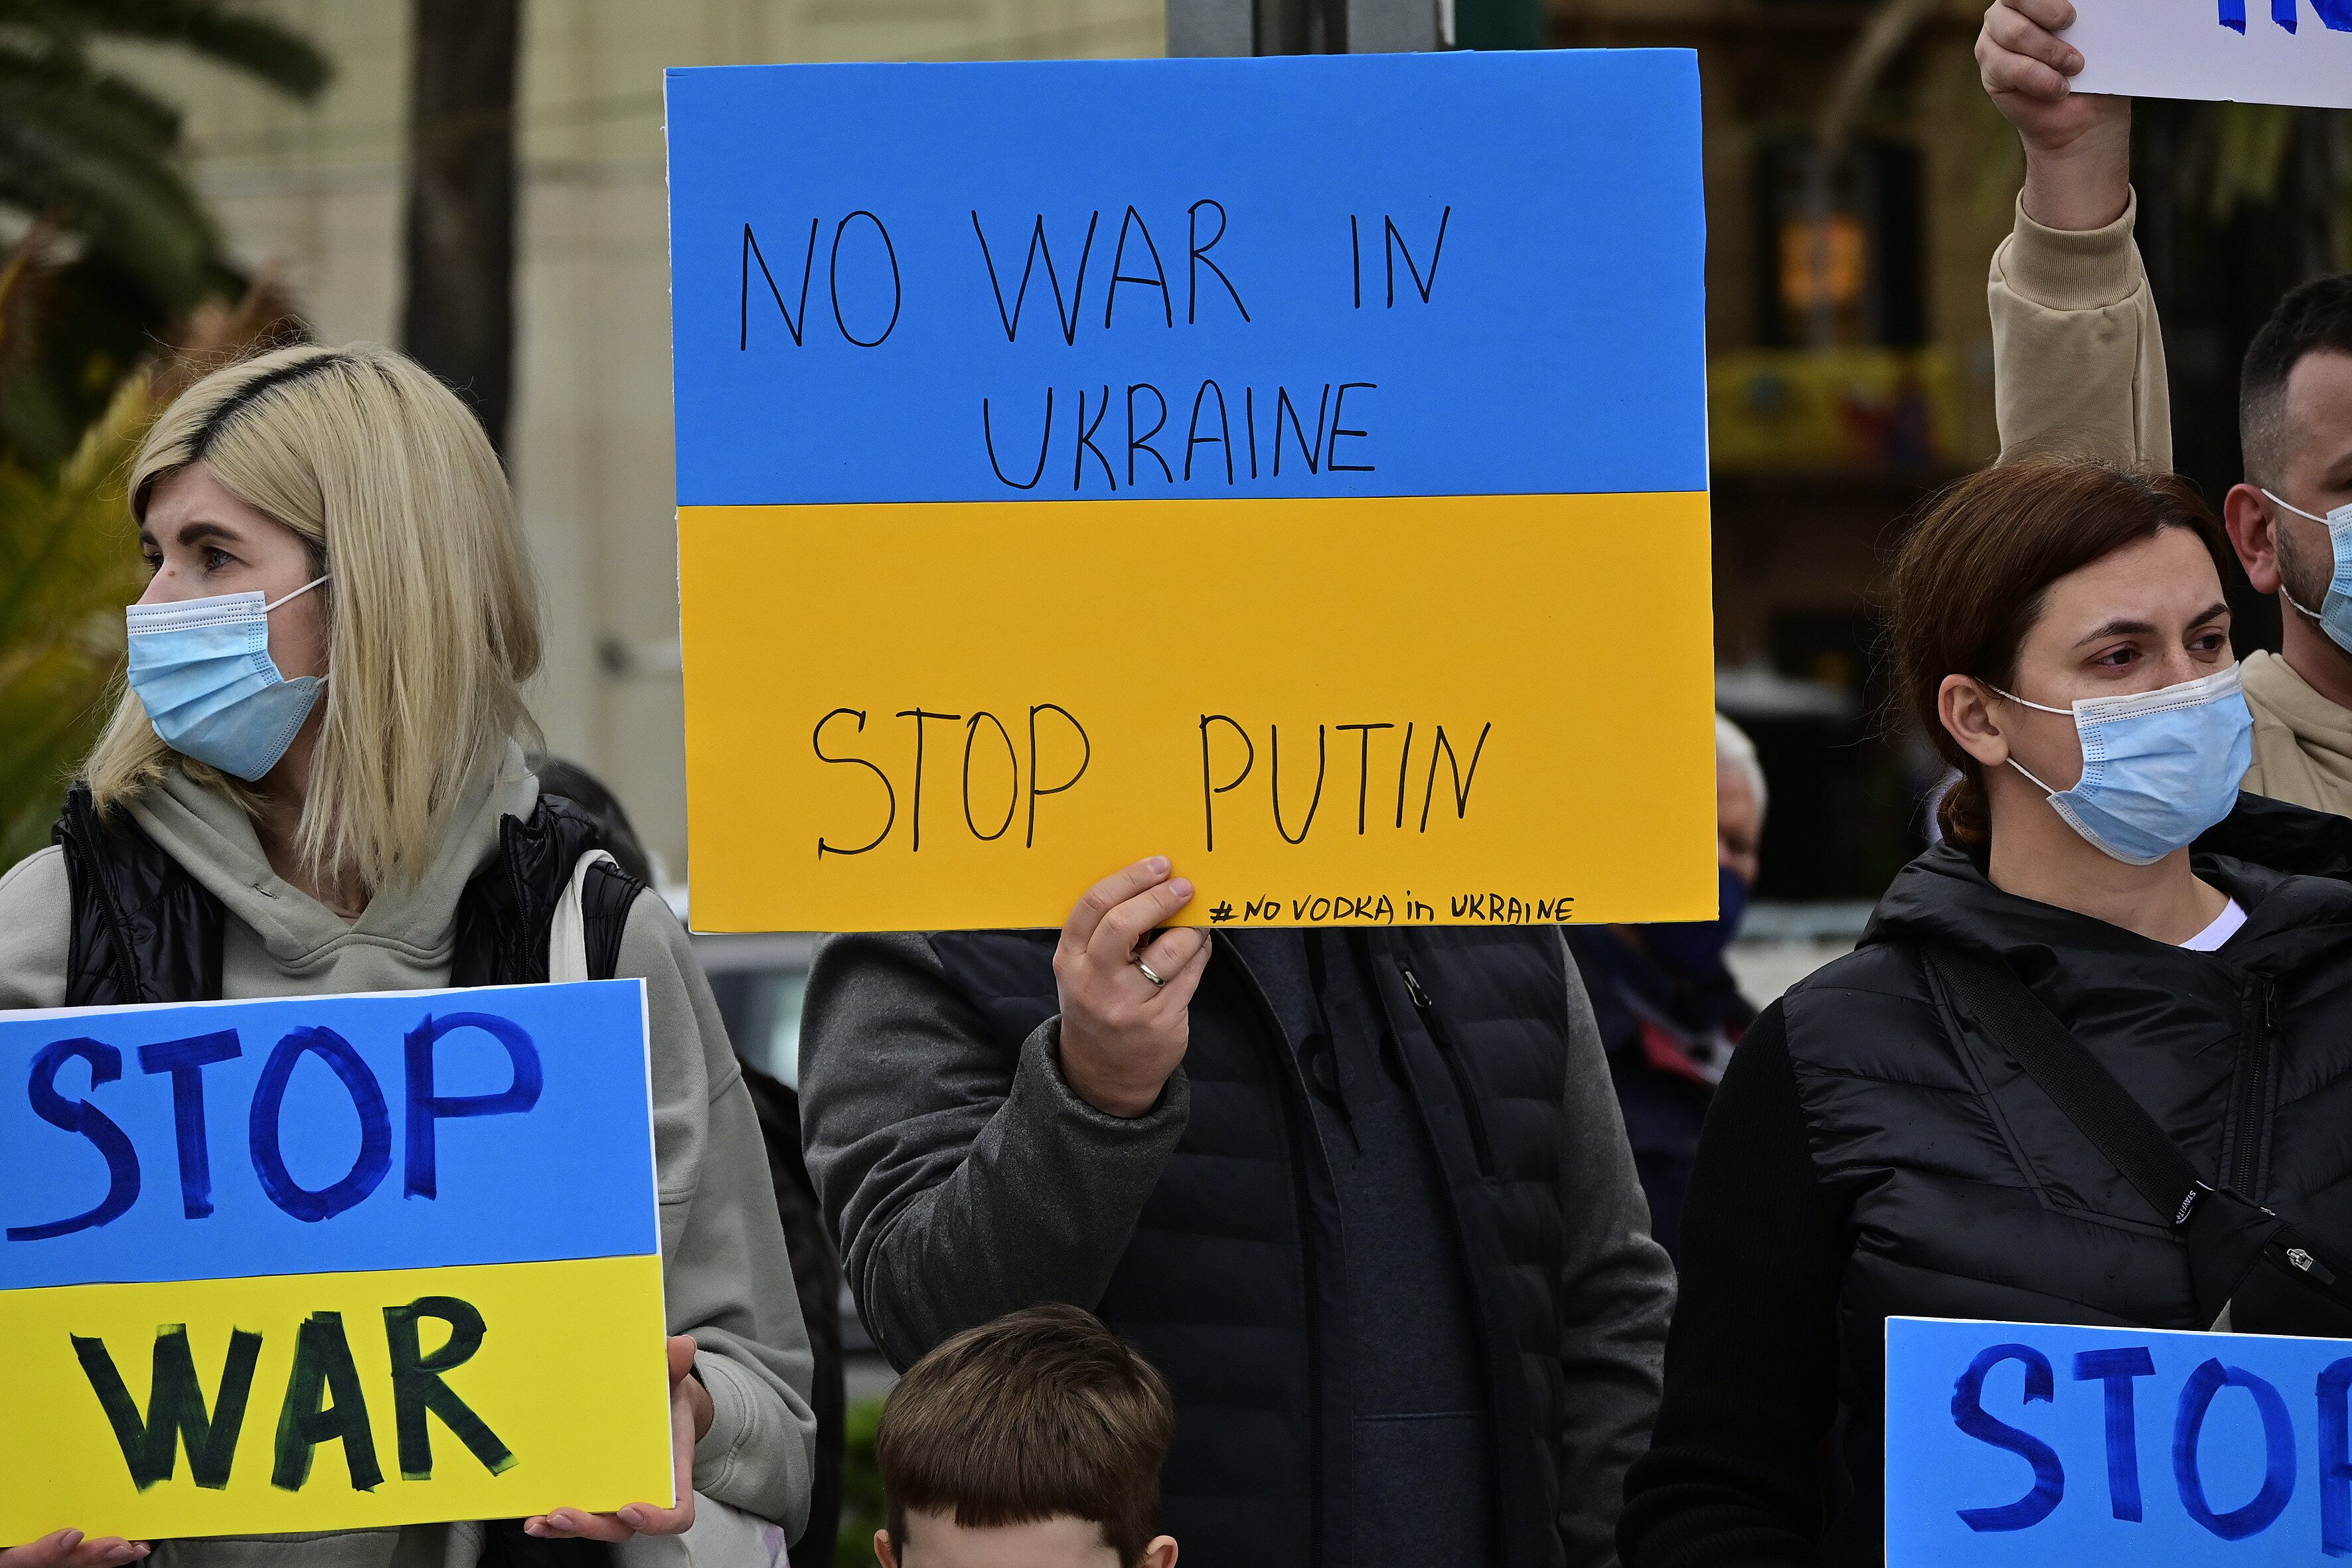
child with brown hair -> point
(1034, 1441)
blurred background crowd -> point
(481, 182)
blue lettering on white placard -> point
(2213, 1446)
(2334, 15)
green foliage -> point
(121, 246)
(68, 565)
(95, 150)
(861, 1487)
(120, 254)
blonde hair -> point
(431, 614)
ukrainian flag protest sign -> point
(1297, 467)
(330, 1262)
(2019, 1445)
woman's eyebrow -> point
(195, 533)
(2119, 629)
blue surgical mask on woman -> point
(202, 670)
(2159, 767)
(2334, 612)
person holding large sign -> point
(1363, 1197)
(314, 785)
(2079, 359)
(1877, 1148)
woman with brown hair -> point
(2060, 633)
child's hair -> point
(1041, 1414)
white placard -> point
(2196, 49)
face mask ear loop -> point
(2039, 707)
(2296, 604)
(2021, 702)
(2297, 509)
(2037, 784)
(296, 592)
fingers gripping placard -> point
(304, 1265)
(1272, 476)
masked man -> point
(1667, 1006)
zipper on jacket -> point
(1299, 1120)
(2253, 1094)
(1473, 1113)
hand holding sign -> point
(71, 1549)
(2077, 145)
(1122, 1034)
(691, 1416)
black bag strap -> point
(2225, 1234)
(2101, 1108)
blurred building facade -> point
(1851, 375)
(318, 194)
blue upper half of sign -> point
(1458, 274)
(405, 1129)
(2014, 1444)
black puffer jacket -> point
(1873, 1153)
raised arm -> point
(966, 1174)
(2078, 354)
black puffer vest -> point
(1232, 1284)
(145, 930)
(1969, 1193)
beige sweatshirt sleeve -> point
(36, 913)
(726, 1276)
(2078, 355)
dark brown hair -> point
(2313, 318)
(1971, 579)
(1041, 1414)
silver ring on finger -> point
(1151, 973)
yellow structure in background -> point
(1883, 410)
(561, 1342)
(1479, 710)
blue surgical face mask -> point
(2158, 768)
(202, 670)
(2335, 614)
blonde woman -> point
(314, 783)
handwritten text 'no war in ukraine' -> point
(1118, 436)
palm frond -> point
(226, 34)
(82, 155)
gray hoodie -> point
(725, 1275)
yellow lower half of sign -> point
(1440, 712)
(318, 1402)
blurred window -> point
(759, 983)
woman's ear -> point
(1965, 705)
